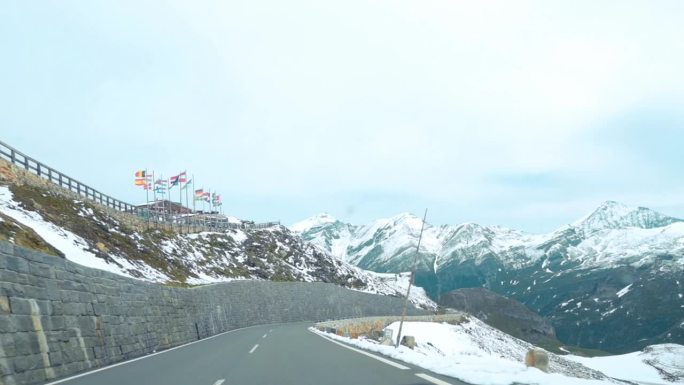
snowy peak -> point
(614, 215)
(313, 222)
(405, 223)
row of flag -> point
(214, 198)
(161, 186)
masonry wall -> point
(58, 318)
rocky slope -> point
(507, 315)
(57, 223)
(613, 280)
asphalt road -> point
(285, 354)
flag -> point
(141, 174)
(186, 184)
(180, 178)
(199, 194)
(160, 186)
(206, 196)
(216, 198)
(140, 182)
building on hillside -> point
(165, 207)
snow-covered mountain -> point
(612, 234)
(573, 275)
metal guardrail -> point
(62, 180)
(33, 166)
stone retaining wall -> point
(58, 318)
(367, 325)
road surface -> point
(284, 354)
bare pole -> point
(413, 273)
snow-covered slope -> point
(655, 364)
(88, 235)
(479, 354)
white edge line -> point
(388, 362)
(254, 348)
(436, 381)
(219, 382)
(146, 356)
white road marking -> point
(264, 335)
(254, 348)
(147, 356)
(219, 382)
(436, 381)
(388, 362)
(270, 330)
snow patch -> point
(623, 291)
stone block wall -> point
(58, 318)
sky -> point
(521, 114)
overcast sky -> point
(522, 114)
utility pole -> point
(411, 277)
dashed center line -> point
(264, 335)
(435, 381)
(254, 348)
(219, 382)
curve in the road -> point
(285, 354)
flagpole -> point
(187, 204)
(147, 200)
(154, 196)
(154, 190)
(164, 191)
(194, 212)
(147, 191)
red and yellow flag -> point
(140, 174)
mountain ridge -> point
(585, 264)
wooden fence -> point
(33, 166)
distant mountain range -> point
(613, 280)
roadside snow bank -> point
(477, 353)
